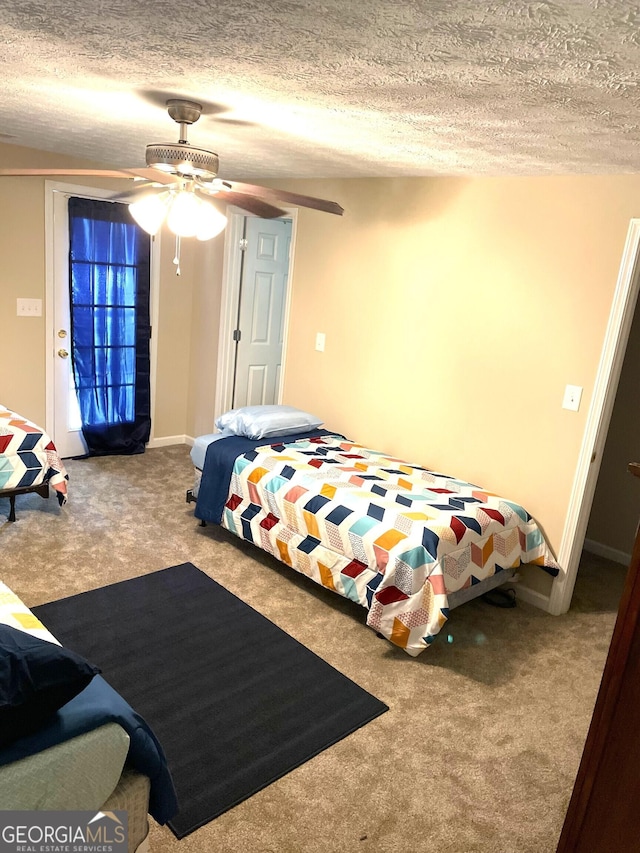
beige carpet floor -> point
(479, 751)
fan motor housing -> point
(181, 159)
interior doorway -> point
(614, 348)
(616, 503)
(255, 309)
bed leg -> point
(12, 508)
(203, 523)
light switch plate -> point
(572, 397)
(29, 308)
(320, 341)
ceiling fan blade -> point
(156, 176)
(254, 205)
(133, 194)
(270, 194)
(93, 173)
(247, 202)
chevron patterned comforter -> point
(393, 537)
(28, 456)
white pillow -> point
(266, 421)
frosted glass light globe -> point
(149, 211)
(184, 214)
(211, 221)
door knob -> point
(63, 353)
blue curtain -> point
(110, 330)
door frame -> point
(51, 236)
(231, 272)
(605, 388)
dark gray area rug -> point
(235, 701)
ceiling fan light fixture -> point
(185, 214)
(149, 211)
(185, 167)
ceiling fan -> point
(176, 177)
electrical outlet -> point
(320, 339)
(29, 308)
(572, 397)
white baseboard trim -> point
(531, 596)
(167, 441)
(607, 552)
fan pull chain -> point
(176, 259)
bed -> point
(68, 740)
(405, 542)
(29, 461)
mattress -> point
(78, 774)
(199, 449)
(132, 795)
(87, 773)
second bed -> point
(405, 542)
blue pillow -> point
(36, 678)
(266, 421)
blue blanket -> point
(96, 705)
(218, 468)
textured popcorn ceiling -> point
(340, 88)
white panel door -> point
(261, 312)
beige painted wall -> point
(22, 339)
(616, 503)
(207, 293)
(455, 311)
(174, 334)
